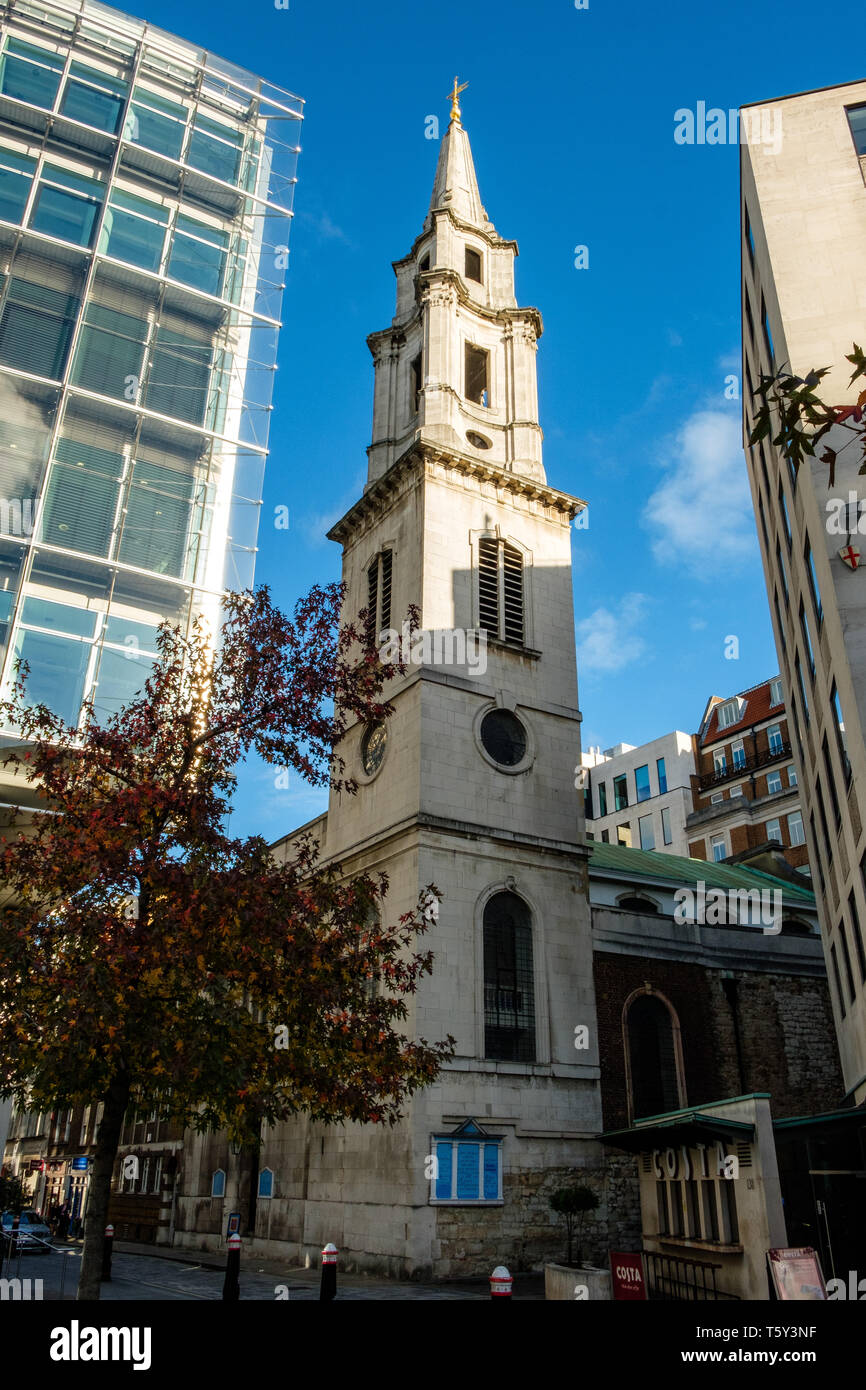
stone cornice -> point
(380, 494)
(490, 235)
(507, 314)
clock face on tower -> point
(373, 748)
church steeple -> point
(455, 186)
(457, 367)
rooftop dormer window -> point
(472, 266)
(729, 713)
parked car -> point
(32, 1230)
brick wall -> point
(787, 1041)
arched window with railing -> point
(509, 989)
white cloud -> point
(701, 514)
(323, 226)
(610, 638)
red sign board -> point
(626, 1268)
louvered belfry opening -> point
(385, 595)
(652, 1055)
(509, 1003)
(379, 596)
(500, 590)
(488, 586)
(512, 594)
(372, 601)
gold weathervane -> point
(455, 105)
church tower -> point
(470, 786)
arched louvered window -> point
(501, 607)
(509, 993)
(379, 595)
(653, 1057)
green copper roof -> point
(650, 864)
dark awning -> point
(685, 1127)
(832, 1119)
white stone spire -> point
(457, 367)
(455, 186)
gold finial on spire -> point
(455, 105)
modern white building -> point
(803, 249)
(641, 796)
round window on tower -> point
(373, 748)
(477, 440)
(503, 737)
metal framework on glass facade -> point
(145, 201)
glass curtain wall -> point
(145, 200)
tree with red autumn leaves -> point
(149, 959)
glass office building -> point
(145, 201)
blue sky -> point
(571, 117)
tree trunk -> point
(107, 1139)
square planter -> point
(578, 1284)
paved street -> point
(145, 1277)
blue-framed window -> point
(94, 98)
(133, 230)
(642, 783)
(55, 639)
(468, 1166)
(30, 74)
(198, 255)
(857, 122)
(768, 335)
(813, 583)
(218, 1183)
(16, 177)
(215, 149)
(750, 237)
(66, 205)
(266, 1183)
(156, 123)
(662, 775)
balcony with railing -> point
(749, 763)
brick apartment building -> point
(745, 785)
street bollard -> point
(107, 1247)
(500, 1283)
(231, 1284)
(329, 1274)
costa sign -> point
(627, 1277)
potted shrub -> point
(573, 1203)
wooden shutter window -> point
(500, 590)
(488, 586)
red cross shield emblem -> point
(850, 556)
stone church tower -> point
(471, 787)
